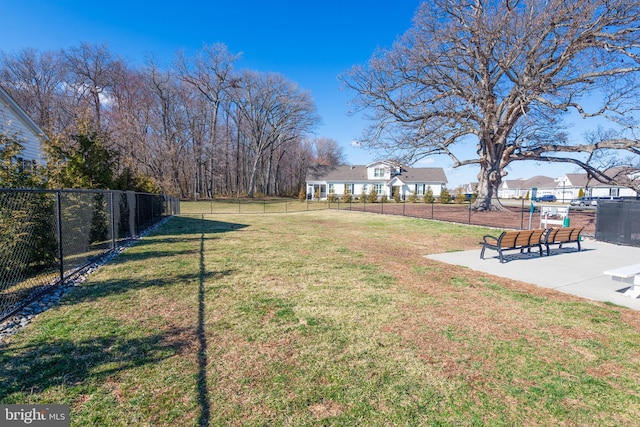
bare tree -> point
(271, 111)
(503, 74)
(168, 134)
(130, 119)
(34, 80)
(327, 151)
(208, 73)
(197, 127)
(91, 73)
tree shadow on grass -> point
(178, 230)
(96, 290)
(180, 225)
(52, 362)
(35, 367)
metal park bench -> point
(513, 240)
(562, 236)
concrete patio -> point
(566, 270)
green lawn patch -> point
(321, 318)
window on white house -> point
(420, 189)
(379, 188)
(379, 172)
(331, 189)
(614, 192)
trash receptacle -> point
(565, 221)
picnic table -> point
(628, 274)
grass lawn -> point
(321, 318)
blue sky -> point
(309, 42)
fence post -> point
(469, 213)
(404, 204)
(113, 223)
(432, 208)
(137, 214)
(59, 221)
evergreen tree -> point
(445, 196)
(373, 195)
(346, 197)
(428, 195)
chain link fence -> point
(46, 236)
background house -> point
(519, 188)
(564, 188)
(573, 182)
(14, 122)
(385, 177)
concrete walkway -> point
(566, 270)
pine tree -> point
(445, 196)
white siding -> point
(14, 122)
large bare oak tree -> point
(505, 75)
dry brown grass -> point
(324, 318)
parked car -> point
(584, 201)
(546, 198)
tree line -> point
(196, 129)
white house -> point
(567, 187)
(570, 185)
(14, 122)
(385, 177)
(519, 188)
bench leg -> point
(482, 252)
(633, 291)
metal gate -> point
(618, 221)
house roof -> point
(422, 175)
(333, 173)
(512, 183)
(525, 184)
(577, 179)
(357, 173)
(539, 182)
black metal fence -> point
(619, 222)
(516, 215)
(48, 235)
